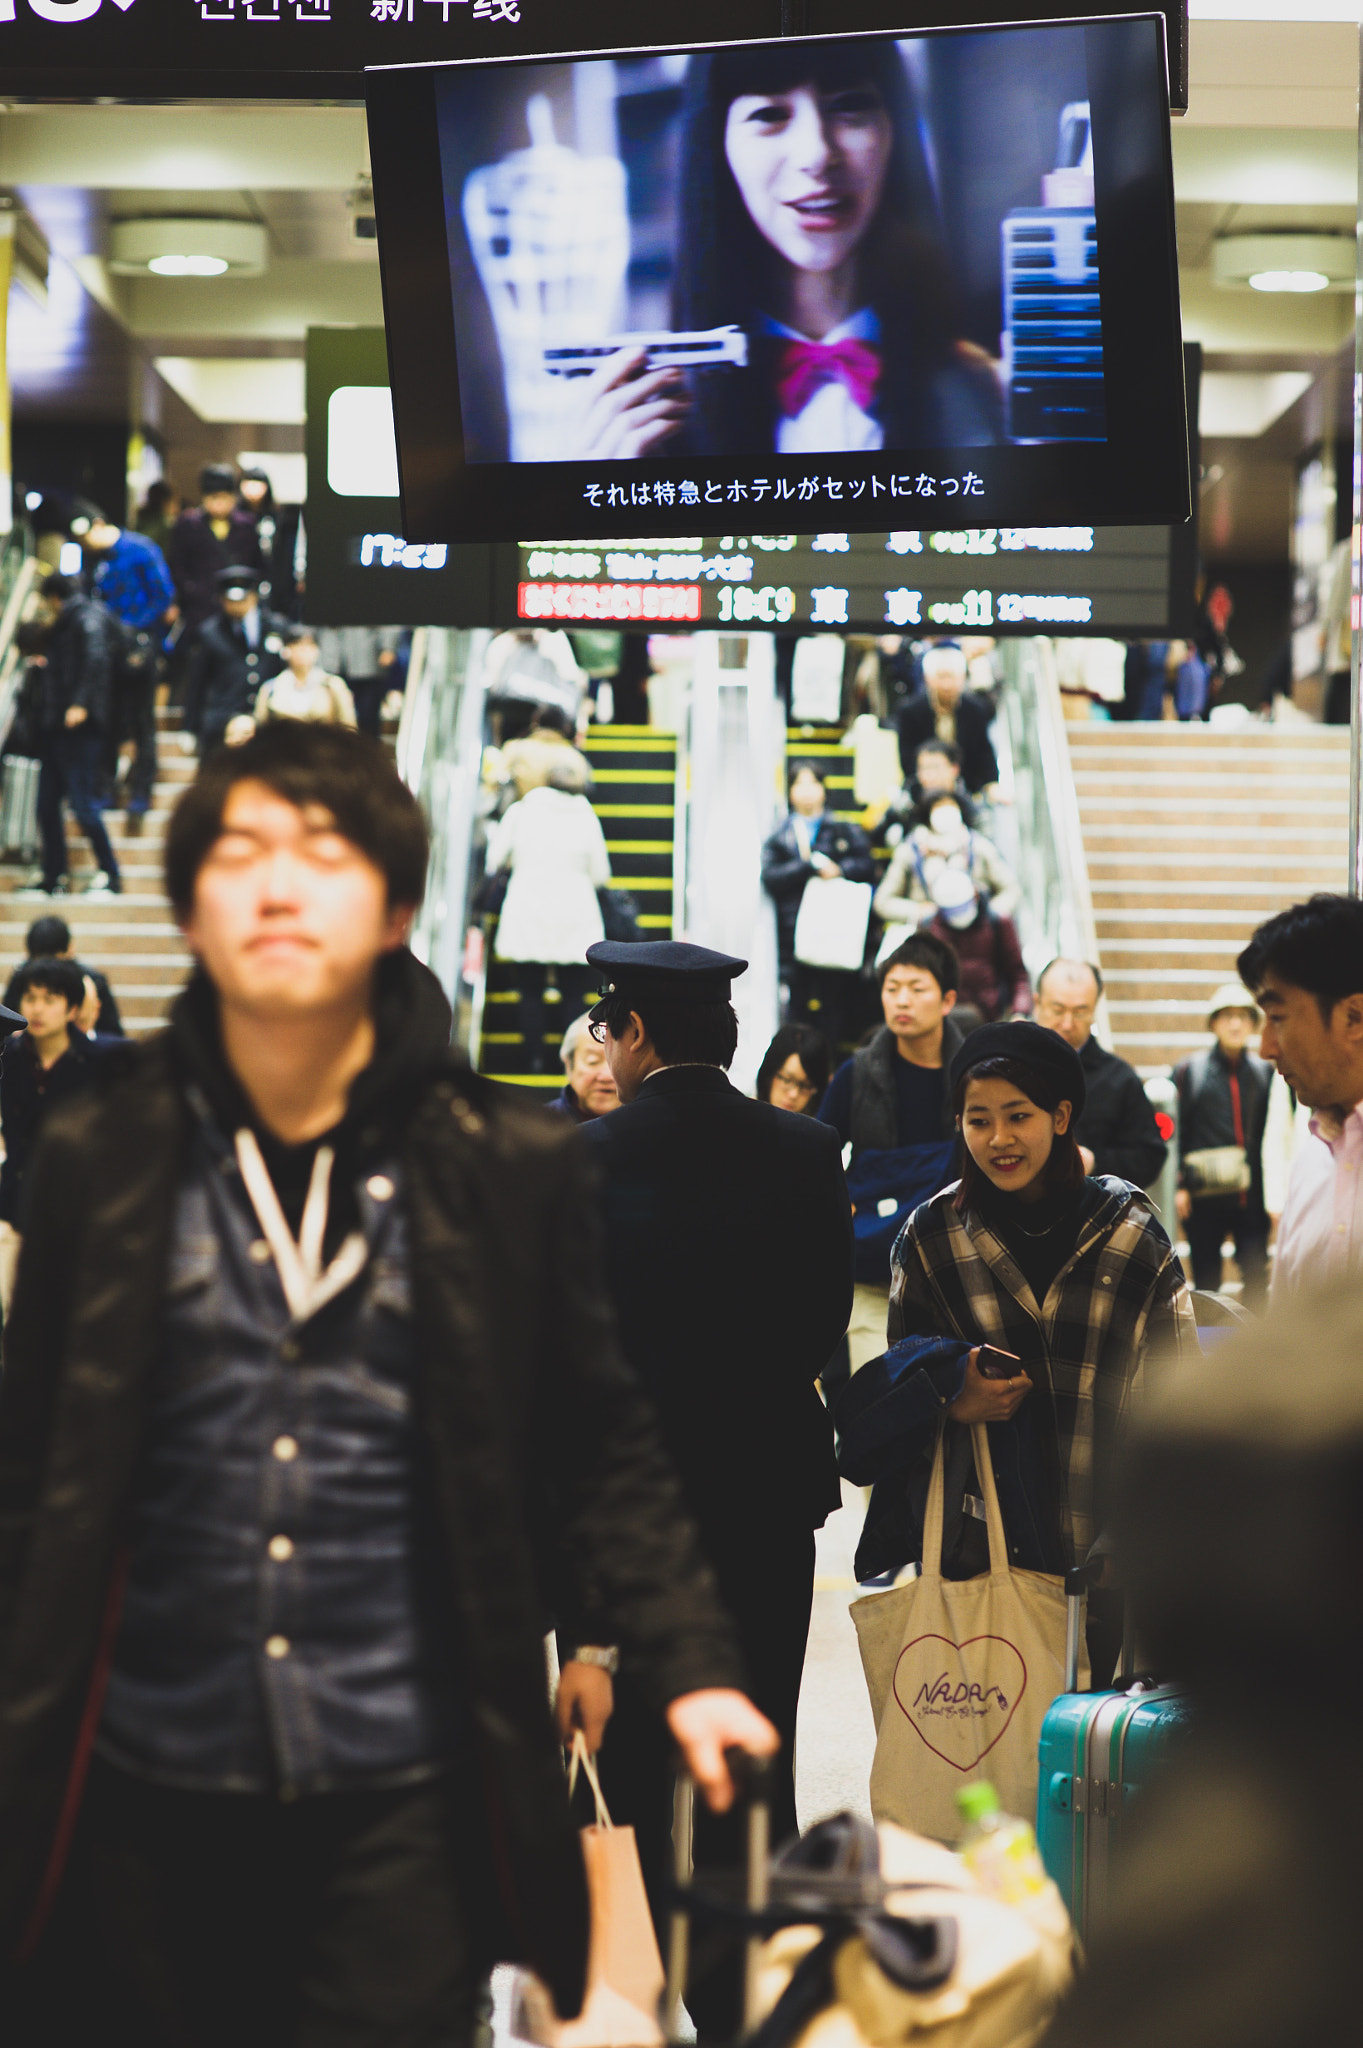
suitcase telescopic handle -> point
(753, 1777)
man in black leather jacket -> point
(81, 653)
(312, 1409)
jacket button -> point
(277, 1646)
(259, 1252)
(285, 1448)
(380, 1187)
(281, 1549)
(288, 1350)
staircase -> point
(1194, 836)
(132, 937)
(635, 795)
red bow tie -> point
(805, 365)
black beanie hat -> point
(1031, 1045)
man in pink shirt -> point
(1306, 967)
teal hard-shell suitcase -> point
(1098, 1752)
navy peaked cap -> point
(666, 970)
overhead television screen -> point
(859, 281)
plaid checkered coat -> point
(1119, 1298)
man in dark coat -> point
(947, 710)
(234, 653)
(729, 1257)
(82, 654)
(1117, 1132)
(814, 842)
(216, 534)
(312, 1407)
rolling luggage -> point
(19, 807)
(1098, 1750)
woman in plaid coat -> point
(1073, 1276)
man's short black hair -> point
(553, 718)
(683, 1034)
(293, 634)
(47, 937)
(932, 954)
(61, 977)
(805, 768)
(344, 772)
(1065, 960)
(58, 586)
(1316, 945)
(947, 747)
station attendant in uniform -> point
(729, 1258)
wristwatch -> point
(602, 1659)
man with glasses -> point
(1117, 1132)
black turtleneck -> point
(1038, 1235)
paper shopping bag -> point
(960, 1673)
(624, 1966)
(830, 930)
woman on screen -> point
(806, 218)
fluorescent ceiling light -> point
(1242, 403)
(1274, 10)
(188, 266)
(1289, 281)
(362, 449)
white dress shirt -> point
(1320, 1232)
(831, 422)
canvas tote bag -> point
(624, 1966)
(960, 1672)
(830, 930)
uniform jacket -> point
(530, 1422)
(729, 1257)
(83, 651)
(1205, 1115)
(226, 672)
(785, 871)
(1119, 1296)
(554, 846)
(194, 555)
(1118, 1124)
(918, 723)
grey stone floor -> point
(836, 1735)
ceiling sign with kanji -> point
(319, 49)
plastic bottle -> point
(998, 1849)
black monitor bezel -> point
(1140, 475)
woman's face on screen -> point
(811, 167)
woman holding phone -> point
(807, 219)
(1072, 1278)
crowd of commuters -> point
(331, 1369)
(198, 605)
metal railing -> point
(1056, 911)
(439, 756)
(18, 572)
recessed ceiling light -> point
(188, 266)
(1289, 281)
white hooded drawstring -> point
(299, 1264)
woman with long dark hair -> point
(807, 219)
(1073, 1276)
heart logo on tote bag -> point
(958, 1703)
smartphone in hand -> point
(993, 1364)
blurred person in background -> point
(942, 841)
(130, 576)
(890, 1104)
(81, 658)
(40, 1066)
(552, 846)
(1223, 1097)
(158, 512)
(589, 1088)
(234, 652)
(1305, 969)
(525, 668)
(1116, 1130)
(947, 710)
(49, 938)
(1073, 1275)
(813, 842)
(546, 753)
(993, 977)
(794, 1070)
(214, 535)
(303, 688)
(366, 660)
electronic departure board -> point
(1122, 582)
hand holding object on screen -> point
(624, 409)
